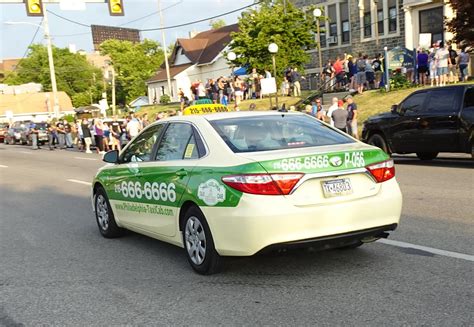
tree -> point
(74, 74)
(217, 23)
(462, 23)
(292, 32)
(134, 64)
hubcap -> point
(195, 240)
(102, 212)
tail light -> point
(263, 184)
(382, 171)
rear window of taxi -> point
(276, 132)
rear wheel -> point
(378, 141)
(105, 216)
(426, 155)
(198, 243)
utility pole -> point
(165, 50)
(113, 92)
(52, 73)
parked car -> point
(3, 131)
(427, 122)
(17, 131)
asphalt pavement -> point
(56, 269)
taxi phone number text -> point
(354, 159)
(150, 191)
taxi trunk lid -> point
(331, 173)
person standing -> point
(340, 117)
(52, 135)
(328, 74)
(352, 72)
(181, 98)
(34, 136)
(360, 77)
(80, 136)
(238, 90)
(338, 72)
(99, 135)
(453, 75)
(61, 135)
(377, 66)
(296, 77)
(67, 133)
(86, 132)
(285, 86)
(115, 134)
(442, 58)
(320, 113)
(422, 60)
(463, 63)
(433, 67)
(221, 87)
(133, 127)
(352, 117)
(331, 109)
(369, 73)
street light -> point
(47, 36)
(231, 56)
(317, 13)
(273, 49)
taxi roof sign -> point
(203, 109)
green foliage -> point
(399, 81)
(134, 64)
(292, 32)
(74, 74)
(462, 22)
(81, 99)
(217, 23)
(70, 118)
(165, 99)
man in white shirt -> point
(133, 126)
(331, 109)
(442, 58)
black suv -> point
(426, 122)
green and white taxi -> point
(236, 183)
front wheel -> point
(198, 243)
(105, 216)
(426, 155)
(378, 141)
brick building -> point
(368, 26)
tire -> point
(199, 244)
(378, 141)
(426, 155)
(11, 141)
(105, 216)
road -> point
(56, 269)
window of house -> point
(367, 19)
(332, 14)
(431, 21)
(392, 16)
(344, 11)
(322, 34)
(380, 18)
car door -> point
(168, 174)
(439, 122)
(404, 131)
(127, 190)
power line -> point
(166, 27)
(153, 13)
(28, 47)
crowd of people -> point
(344, 119)
(224, 89)
(101, 133)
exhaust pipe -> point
(370, 239)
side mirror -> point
(111, 157)
(394, 109)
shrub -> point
(399, 81)
(165, 99)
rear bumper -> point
(262, 221)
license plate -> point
(337, 187)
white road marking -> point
(3, 166)
(445, 253)
(79, 182)
(82, 158)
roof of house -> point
(203, 48)
(31, 103)
(174, 70)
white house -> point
(197, 58)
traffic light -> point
(34, 7)
(115, 7)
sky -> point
(16, 38)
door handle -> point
(181, 173)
